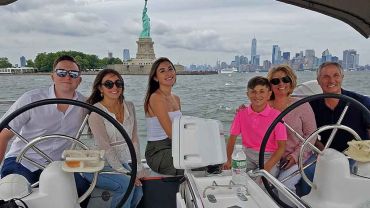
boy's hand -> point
(226, 165)
(267, 167)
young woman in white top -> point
(161, 106)
(107, 94)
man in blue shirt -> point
(327, 111)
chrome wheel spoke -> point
(334, 131)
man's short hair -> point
(258, 80)
(325, 64)
(65, 58)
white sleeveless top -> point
(155, 132)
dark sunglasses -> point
(276, 81)
(109, 84)
(63, 73)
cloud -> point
(188, 38)
(131, 26)
(31, 5)
(65, 23)
(189, 30)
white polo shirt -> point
(41, 121)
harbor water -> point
(208, 96)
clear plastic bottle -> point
(239, 165)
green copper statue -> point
(145, 33)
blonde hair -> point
(289, 72)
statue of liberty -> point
(145, 33)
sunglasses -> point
(63, 73)
(109, 84)
(276, 81)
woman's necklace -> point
(116, 109)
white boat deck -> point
(216, 191)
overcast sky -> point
(189, 31)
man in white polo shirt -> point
(45, 120)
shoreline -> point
(178, 73)
(96, 72)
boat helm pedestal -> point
(14, 186)
(334, 182)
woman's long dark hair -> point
(152, 84)
(96, 94)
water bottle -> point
(239, 165)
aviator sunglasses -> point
(63, 73)
(109, 84)
(276, 81)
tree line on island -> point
(44, 61)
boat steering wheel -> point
(90, 109)
(349, 101)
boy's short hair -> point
(258, 80)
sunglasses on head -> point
(109, 84)
(63, 73)
(276, 81)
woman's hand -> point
(241, 107)
(289, 162)
(138, 182)
(142, 173)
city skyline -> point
(279, 55)
(186, 32)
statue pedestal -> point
(145, 49)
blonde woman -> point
(302, 119)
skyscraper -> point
(23, 61)
(243, 60)
(326, 56)
(237, 61)
(350, 59)
(254, 48)
(286, 56)
(309, 61)
(256, 60)
(276, 53)
(126, 54)
(266, 65)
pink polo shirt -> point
(253, 126)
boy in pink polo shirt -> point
(252, 123)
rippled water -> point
(208, 96)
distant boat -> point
(228, 70)
(5, 71)
(17, 70)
